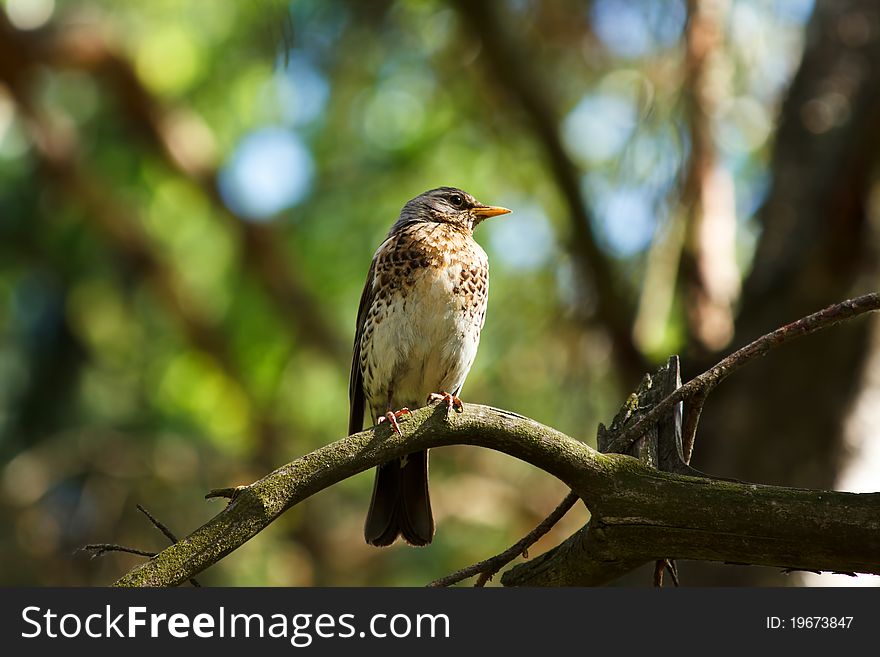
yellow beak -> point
(486, 211)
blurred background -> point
(191, 193)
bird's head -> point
(447, 205)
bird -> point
(418, 328)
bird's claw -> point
(393, 417)
(451, 401)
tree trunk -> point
(781, 420)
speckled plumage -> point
(418, 328)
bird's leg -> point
(393, 417)
(451, 401)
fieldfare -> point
(418, 328)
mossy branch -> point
(638, 514)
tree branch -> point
(487, 568)
(771, 522)
(704, 383)
(100, 549)
(255, 507)
(638, 514)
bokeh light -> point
(30, 14)
(270, 170)
(637, 29)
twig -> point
(708, 380)
(489, 567)
(158, 525)
(659, 567)
(100, 549)
(168, 534)
(225, 493)
(691, 421)
(665, 565)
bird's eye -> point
(456, 200)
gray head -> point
(446, 205)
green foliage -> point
(114, 391)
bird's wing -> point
(356, 379)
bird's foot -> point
(393, 417)
(451, 401)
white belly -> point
(425, 342)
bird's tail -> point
(401, 505)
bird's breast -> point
(424, 327)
